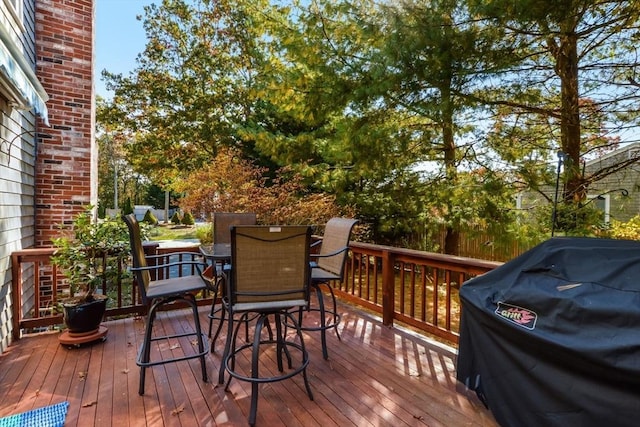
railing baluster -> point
(436, 286)
(423, 300)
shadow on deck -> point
(375, 376)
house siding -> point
(47, 173)
(623, 187)
(17, 175)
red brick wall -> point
(66, 168)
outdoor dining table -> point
(217, 253)
(220, 256)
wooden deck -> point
(375, 376)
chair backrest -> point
(143, 277)
(223, 221)
(336, 237)
(270, 263)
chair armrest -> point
(184, 253)
(339, 251)
(212, 281)
(198, 265)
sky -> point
(119, 37)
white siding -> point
(17, 176)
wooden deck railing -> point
(417, 288)
(38, 285)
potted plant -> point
(88, 256)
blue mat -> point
(49, 416)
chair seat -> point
(175, 286)
(320, 275)
(268, 305)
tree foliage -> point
(115, 175)
(193, 84)
(290, 109)
(236, 185)
(570, 90)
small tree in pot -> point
(88, 255)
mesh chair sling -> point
(157, 293)
(222, 223)
(268, 278)
(329, 267)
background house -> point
(617, 195)
(48, 157)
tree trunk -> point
(567, 70)
(452, 242)
(452, 236)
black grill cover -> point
(552, 338)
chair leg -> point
(280, 347)
(201, 347)
(227, 347)
(223, 314)
(212, 315)
(145, 349)
(282, 335)
(336, 316)
(255, 353)
(305, 354)
(323, 322)
(230, 362)
(212, 312)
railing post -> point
(388, 288)
(16, 295)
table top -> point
(218, 251)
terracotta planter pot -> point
(84, 317)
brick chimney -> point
(66, 164)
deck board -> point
(375, 376)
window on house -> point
(5, 137)
(602, 203)
(519, 201)
(16, 8)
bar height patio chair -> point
(158, 293)
(268, 279)
(329, 267)
(222, 223)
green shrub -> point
(187, 219)
(175, 219)
(626, 230)
(81, 253)
(150, 218)
(204, 233)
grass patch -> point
(178, 232)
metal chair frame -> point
(222, 223)
(268, 278)
(334, 247)
(158, 293)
